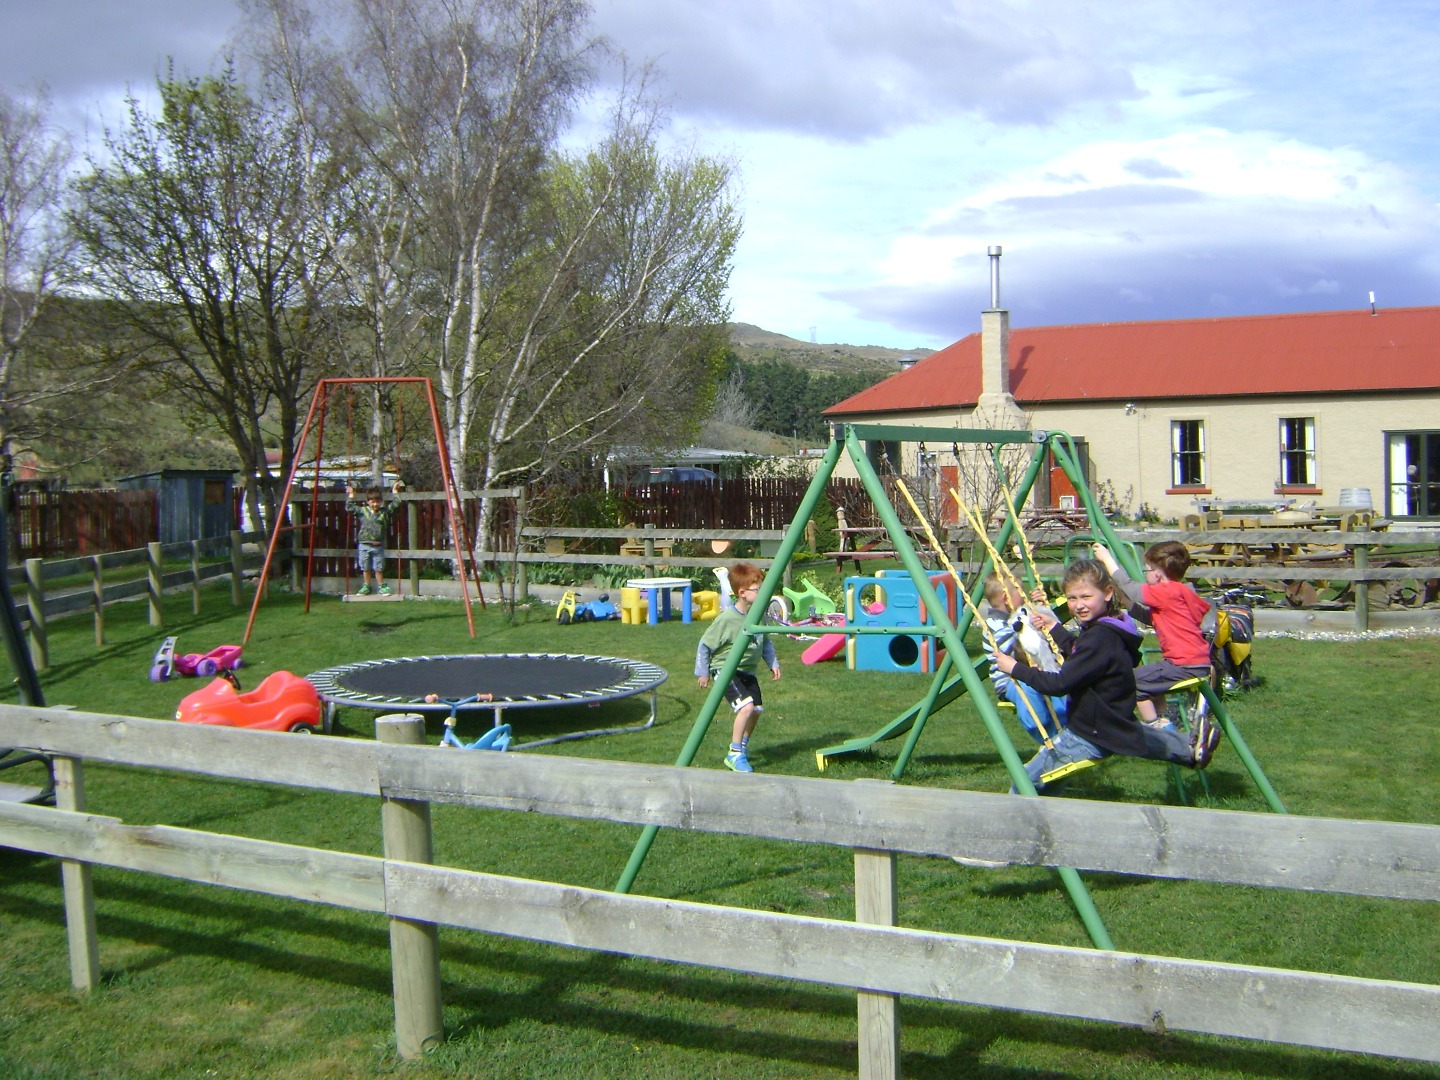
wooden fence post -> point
(35, 598)
(195, 576)
(237, 567)
(414, 945)
(412, 530)
(77, 886)
(522, 578)
(297, 546)
(1362, 588)
(99, 589)
(157, 616)
(879, 1027)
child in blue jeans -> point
(373, 517)
(1098, 678)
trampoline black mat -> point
(515, 680)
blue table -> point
(657, 596)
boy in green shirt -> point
(373, 516)
(743, 693)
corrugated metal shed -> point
(195, 504)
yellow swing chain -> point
(979, 618)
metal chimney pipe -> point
(994, 253)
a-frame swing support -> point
(315, 422)
(944, 689)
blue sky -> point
(1135, 160)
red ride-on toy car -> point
(282, 702)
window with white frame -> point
(1187, 453)
(1297, 451)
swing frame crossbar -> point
(315, 423)
(954, 678)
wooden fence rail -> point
(877, 820)
(42, 605)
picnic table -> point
(862, 543)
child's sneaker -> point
(1207, 738)
(364, 590)
(384, 590)
(736, 761)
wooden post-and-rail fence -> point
(877, 820)
(44, 602)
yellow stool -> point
(633, 607)
(707, 604)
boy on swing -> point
(1175, 610)
(373, 517)
(1098, 677)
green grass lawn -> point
(202, 981)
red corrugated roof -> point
(1321, 352)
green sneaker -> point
(384, 590)
(364, 590)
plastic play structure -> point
(282, 702)
(315, 424)
(956, 674)
(898, 606)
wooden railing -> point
(1269, 555)
(43, 603)
(874, 818)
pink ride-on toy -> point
(282, 702)
(205, 665)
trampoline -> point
(513, 681)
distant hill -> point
(751, 344)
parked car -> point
(681, 474)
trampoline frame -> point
(642, 677)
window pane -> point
(1297, 451)
(1187, 455)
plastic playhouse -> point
(892, 600)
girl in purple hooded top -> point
(1098, 678)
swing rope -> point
(1012, 582)
(1007, 575)
(977, 617)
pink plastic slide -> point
(829, 646)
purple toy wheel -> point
(159, 673)
(206, 668)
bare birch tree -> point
(35, 253)
(555, 298)
(193, 227)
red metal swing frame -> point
(315, 422)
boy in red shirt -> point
(1175, 610)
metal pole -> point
(1079, 894)
(794, 535)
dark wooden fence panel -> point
(50, 524)
(750, 503)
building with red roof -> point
(1324, 408)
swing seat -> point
(1070, 768)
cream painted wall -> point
(1242, 443)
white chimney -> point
(995, 401)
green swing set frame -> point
(953, 678)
